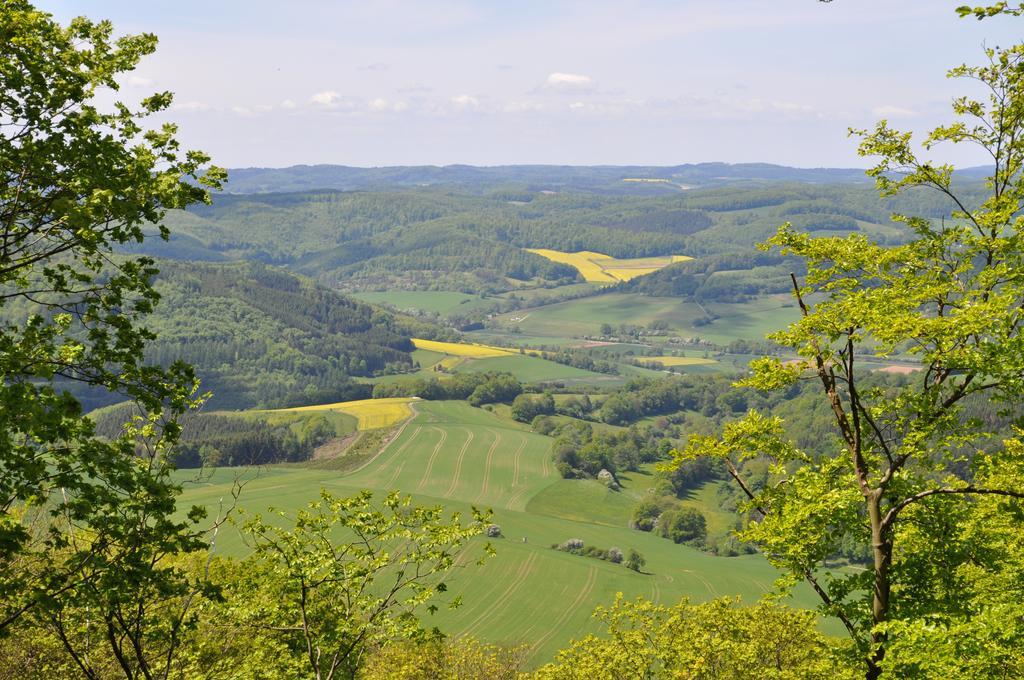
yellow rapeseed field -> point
(627, 273)
(584, 261)
(459, 349)
(601, 268)
(371, 413)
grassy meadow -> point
(452, 454)
(443, 302)
(583, 317)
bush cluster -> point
(576, 547)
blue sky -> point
(390, 82)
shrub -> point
(526, 407)
(543, 425)
(683, 525)
(615, 555)
(608, 479)
(647, 512)
(501, 387)
(635, 561)
(493, 530)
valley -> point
(489, 297)
(452, 454)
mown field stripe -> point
(394, 440)
(496, 581)
(707, 584)
(514, 499)
(515, 463)
(398, 471)
(433, 457)
(525, 570)
(487, 466)
(583, 594)
(458, 463)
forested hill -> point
(599, 178)
(258, 336)
(473, 239)
(614, 179)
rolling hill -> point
(458, 456)
(260, 336)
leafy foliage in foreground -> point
(716, 639)
(85, 524)
(911, 474)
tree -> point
(500, 387)
(683, 525)
(526, 407)
(711, 640)
(84, 520)
(348, 576)
(462, 658)
(635, 560)
(911, 475)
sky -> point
(395, 82)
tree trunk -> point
(881, 550)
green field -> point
(746, 320)
(532, 369)
(460, 456)
(525, 368)
(443, 302)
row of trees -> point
(476, 388)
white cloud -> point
(242, 111)
(138, 81)
(191, 106)
(399, 107)
(287, 104)
(576, 105)
(465, 101)
(890, 111)
(326, 98)
(378, 104)
(792, 107)
(570, 81)
(520, 106)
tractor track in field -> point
(398, 452)
(707, 584)
(487, 466)
(514, 498)
(458, 463)
(394, 476)
(581, 596)
(496, 582)
(515, 462)
(433, 457)
(525, 570)
(392, 440)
